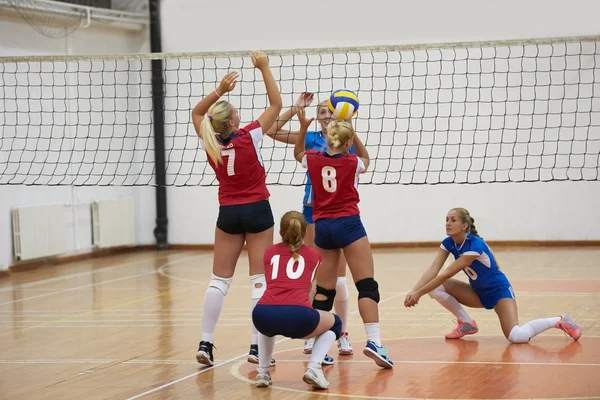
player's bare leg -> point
(340, 305)
(257, 243)
(227, 251)
(451, 295)
(360, 262)
(509, 320)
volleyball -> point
(343, 103)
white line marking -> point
(194, 374)
(70, 276)
(95, 284)
(225, 362)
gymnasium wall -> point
(392, 213)
(17, 38)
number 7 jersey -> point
(241, 175)
(335, 183)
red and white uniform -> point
(334, 182)
(289, 281)
(241, 175)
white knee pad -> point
(341, 289)
(220, 283)
(519, 335)
(439, 293)
(259, 285)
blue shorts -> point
(307, 211)
(490, 298)
(337, 233)
(295, 322)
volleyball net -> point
(463, 113)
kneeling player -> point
(284, 308)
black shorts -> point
(246, 218)
(295, 322)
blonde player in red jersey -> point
(317, 140)
(284, 308)
(245, 214)
(334, 175)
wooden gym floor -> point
(126, 327)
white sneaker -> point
(263, 380)
(308, 345)
(314, 376)
(345, 349)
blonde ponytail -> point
(211, 146)
(215, 122)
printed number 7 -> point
(230, 153)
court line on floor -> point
(156, 389)
(225, 362)
(115, 306)
(70, 276)
(138, 275)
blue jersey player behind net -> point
(316, 140)
(488, 287)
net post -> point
(162, 221)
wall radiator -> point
(113, 223)
(39, 231)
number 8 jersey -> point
(335, 182)
(241, 175)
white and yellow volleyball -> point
(343, 104)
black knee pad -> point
(324, 305)
(337, 327)
(369, 288)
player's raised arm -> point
(299, 148)
(361, 151)
(227, 85)
(284, 135)
(269, 116)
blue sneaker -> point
(378, 354)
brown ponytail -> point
(292, 230)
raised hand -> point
(304, 122)
(260, 59)
(228, 83)
(305, 99)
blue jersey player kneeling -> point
(488, 287)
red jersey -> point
(288, 280)
(334, 182)
(241, 175)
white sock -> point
(450, 303)
(373, 335)
(341, 301)
(538, 326)
(213, 303)
(322, 345)
(254, 330)
(265, 352)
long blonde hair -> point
(292, 230)
(339, 133)
(216, 122)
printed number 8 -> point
(329, 182)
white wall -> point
(392, 213)
(400, 213)
(17, 38)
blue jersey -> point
(484, 275)
(314, 141)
